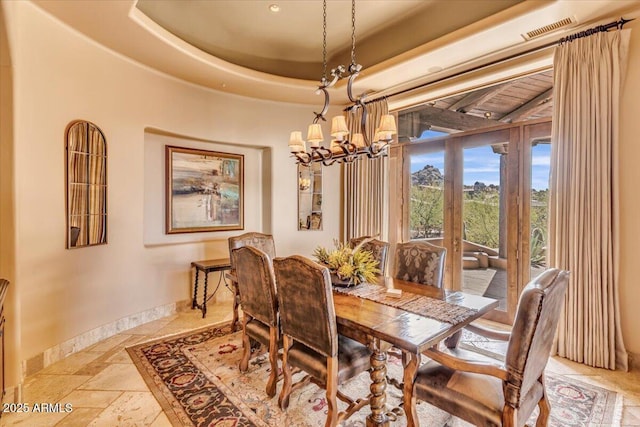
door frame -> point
(519, 136)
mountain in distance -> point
(428, 175)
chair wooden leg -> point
(509, 416)
(332, 391)
(236, 304)
(246, 346)
(543, 404)
(273, 359)
(283, 400)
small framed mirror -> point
(86, 178)
(310, 196)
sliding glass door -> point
(483, 196)
(484, 220)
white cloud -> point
(541, 160)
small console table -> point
(207, 266)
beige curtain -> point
(365, 182)
(584, 208)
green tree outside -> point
(426, 211)
(481, 215)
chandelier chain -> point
(324, 40)
(353, 32)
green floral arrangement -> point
(352, 265)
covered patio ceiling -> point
(525, 98)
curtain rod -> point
(594, 30)
(599, 28)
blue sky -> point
(482, 164)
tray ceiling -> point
(289, 42)
(241, 47)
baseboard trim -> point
(82, 341)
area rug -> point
(195, 378)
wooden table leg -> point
(411, 364)
(453, 340)
(378, 416)
(194, 303)
(204, 296)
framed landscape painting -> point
(204, 190)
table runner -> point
(433, 308)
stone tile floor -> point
(106, 389)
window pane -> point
(427, 196)
(540, 167)
(484, 231)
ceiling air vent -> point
(542, 31)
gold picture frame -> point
(204, 190)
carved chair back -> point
(256, 289)
(379, 249)
(533, 332)
(459, 381)
(310, 337)
(420, 262)
(261, 241)
(256, 284)
(306, 303)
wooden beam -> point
(410, 125)
(447, 119)
(478, 97)
(476, 134)
(528, 108)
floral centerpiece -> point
(349, 265)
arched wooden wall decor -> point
(86, 182)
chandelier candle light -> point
(342, 149)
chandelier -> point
(344, 148)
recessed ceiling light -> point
(274, 8)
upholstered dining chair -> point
(420, 262)
(261, 241)
(492, 393)
(311, 342)
(257, 288)
(378, 248)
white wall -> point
(60, 76)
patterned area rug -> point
(195, 378)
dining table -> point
(409, 316)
